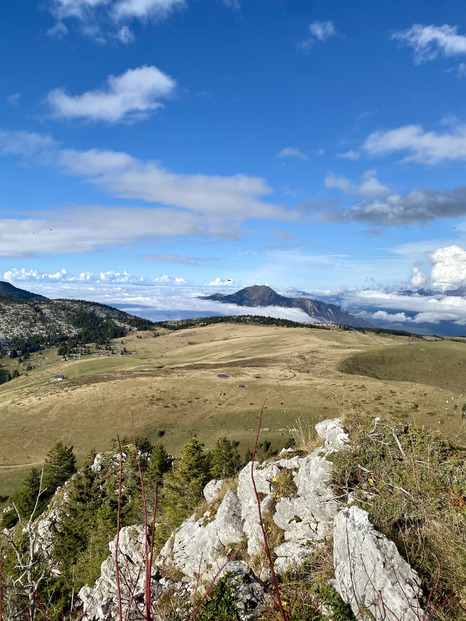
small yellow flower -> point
(371, 481)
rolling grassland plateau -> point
(212, 380)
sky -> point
(151, 150)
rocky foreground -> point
(369, 573)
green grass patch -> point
(441, 364)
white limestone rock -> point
(336, 438)
(101, 601)
(370, 573)
(263, 475)
(201, 546)
(308, 518)
(213, 489)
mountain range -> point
(263, 296)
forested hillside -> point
(27, 325)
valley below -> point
(213, 380)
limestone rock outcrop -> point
(370, 573)
(297, 494)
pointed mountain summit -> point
(263, 296)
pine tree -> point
(60, 464)
(183, 486)
(159, 463)
(25, 500)
(225, 459)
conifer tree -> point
(60, 464)
(26, 499)
(225, 459)
(159, 463)
(184, 484)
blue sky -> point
(213, 144)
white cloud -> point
(125, 35)
(111, 276)
(218, 282)
(126, 97)
(429, 42)
(292, 152)
(449, 270)
(424, 147)
(89, 229)
(22, 274)
(318, 31)
(424, 309)
(418, 279)
(75, 8)
(101, 278)
(369, 187)
(390, 317)
(145, 9)
(141, 9)
(220, 198)
(24, 143)
(181, 204)
(350, 155)
(13, 100)
(107, 19)
(395, 210)
(322, 30)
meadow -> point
(169, 382)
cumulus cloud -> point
(418, 279)
(292, 152)
(424, 147)
(390, 317)
(318, 31)
(127, 97)
(109, 277)
(218, 282)
(369, 187)
(22, 274)
(449, 269)
(429, 42)
(395, 210)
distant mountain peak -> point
(263, 296)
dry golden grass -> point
(171, 383)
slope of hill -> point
(10, 291)
(39, 321)
(263, 296)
